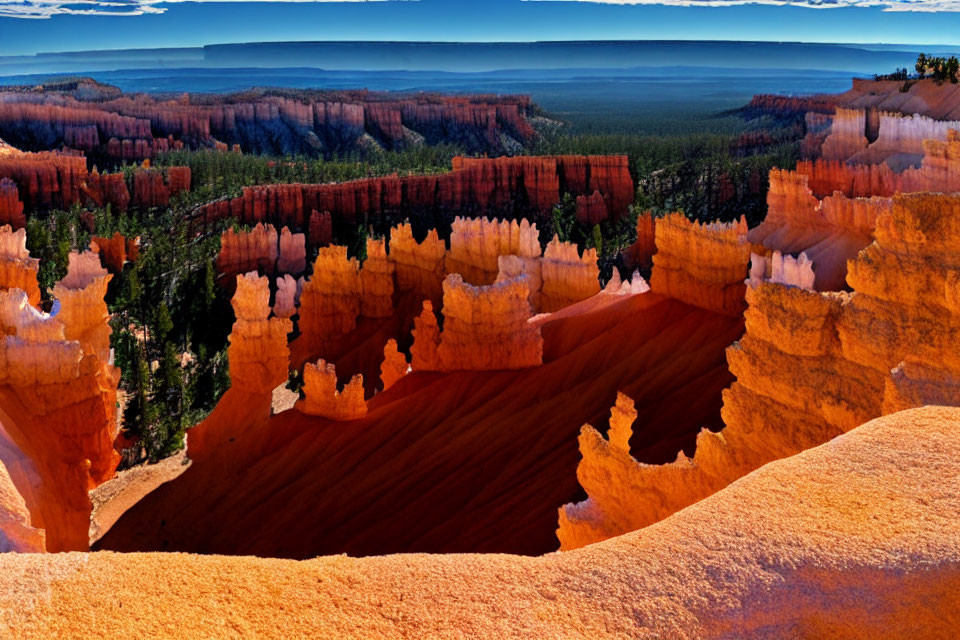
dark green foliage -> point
(940, 69)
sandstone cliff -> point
(701, 264)
(788, 550)
(810, 366)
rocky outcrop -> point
(485, 328)
(781, 269)
(45, 179)
(258, 352)
(83, 310)
(58, 399)
(116, 250)
(640, 254)
(263, 250)
(786, 106)
(701, 264)
(299, 122)
(321, 397)
(847, 135)
(330, 300)
(17, 269)
(810, 366)
(394, 365)
(843, 540)
(11, 209)
(419, 265)
(376, 281)
(568, 276)
(509, 188)
(591, 209)
(830, 232)
(476, 245)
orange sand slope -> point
(857, 538)
(463, 461)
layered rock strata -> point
(701, 264)
(506, 187)
(810, 367)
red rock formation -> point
(830, 232)
(330, 300)
(321, 229)
(321, 397)
(811, 366)
(11, 209)
(84, 313)
(311, 122)
(505, 187)
(567, 276)
(376, 282)
(394, 365)
(17, 269)
(258, 352)
(701, 264)
(486, 327)
(640, 253)
(292, 252)
(107, 188)
(420, 266)
(476, 245)
(115, 250)
(58, 399)
(792, 105)
(254, 250)
(45, 179)
(288, 296)
(426, 340)
(591, 209)
(847, 135)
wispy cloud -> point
(887, 5)
(41, 9)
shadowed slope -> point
(840, 541)
(465, 461)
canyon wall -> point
(11, 209)
(504, 187)
(58, 401)
(703, 264)
(810, 366)
(303, 122)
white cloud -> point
(886, 5)
(40, 9)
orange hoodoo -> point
(11, 209)
(714, 278)
(58, 399)
(810, 367)
(258, 352)
(17, 269)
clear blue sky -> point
(198, 23)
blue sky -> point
(176, 24)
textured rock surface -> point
(811, 366)
(701, 264)
(504, 187)
(307, 122)
(567, 275)
(116, 250)
(11, 209)
(58, 398)
(322, 398)
(258, 352)
(830, 232)
(840, 541)
(17, 269)
(486, 327)
(489, 451)
(476, 245)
